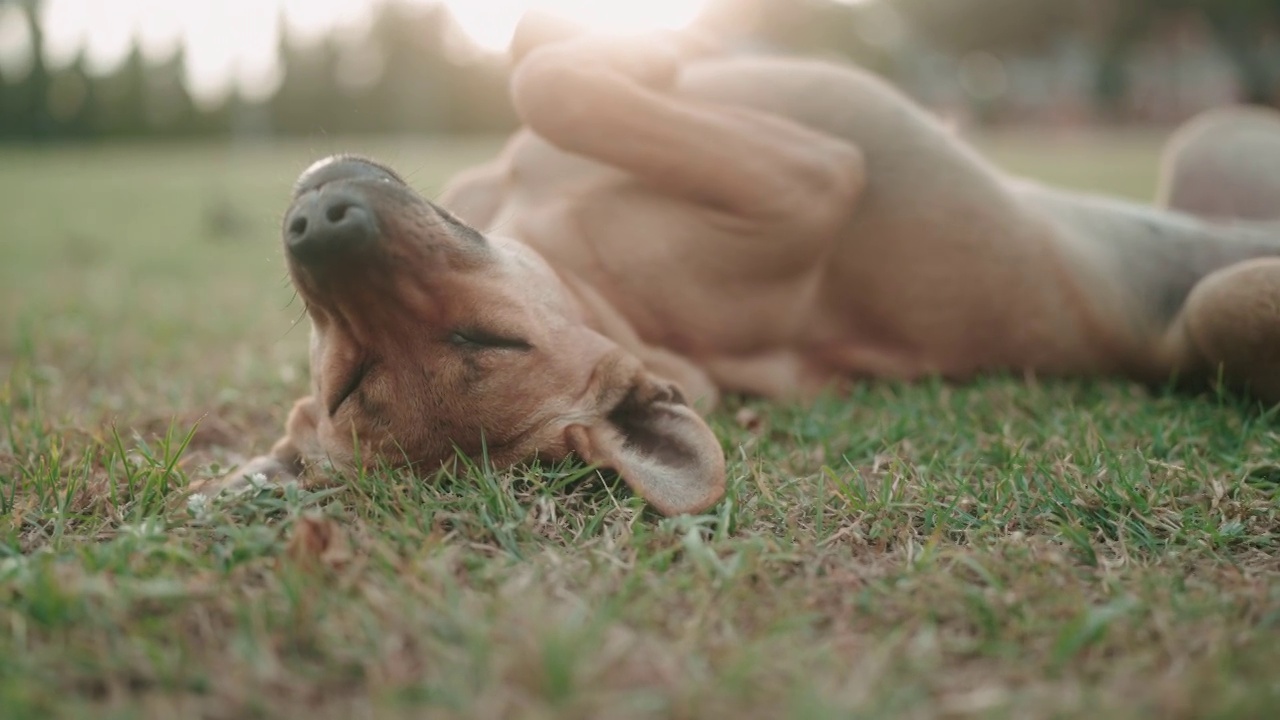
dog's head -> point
(429, 338)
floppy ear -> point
(659, 446)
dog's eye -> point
(484, 340)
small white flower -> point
(148, 529)
(198, 504)
(258, 481)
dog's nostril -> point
(323, 224)
(336, 212)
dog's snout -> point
(327, 223)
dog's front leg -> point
(616, 103)
(285, 461)
(476, 195)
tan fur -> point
(1224, 164)
(666, 229)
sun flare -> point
(234, 42)
(491, 23)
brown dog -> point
(666, 229)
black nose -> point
(327, 223)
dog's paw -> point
(260, 472)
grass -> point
(1009, 549)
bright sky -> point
(234, 41)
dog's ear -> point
(658, 445)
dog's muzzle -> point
(331, 215)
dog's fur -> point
(667, 228)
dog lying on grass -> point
(670, 226)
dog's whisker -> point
(296, 322)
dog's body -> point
(765, 226)
(915, 257)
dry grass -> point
(1003, 550)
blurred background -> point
(148, 148)
(109, 69)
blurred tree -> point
(220, 118)
(309, 100)
(70, 100)
(800, 26)
(409, 94)
(8, 108)
(411, 72)
(1241, 28)
(120, 98)
(169, 108)
(30, 95)
(998, 26)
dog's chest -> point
(664, 280)
(681, 282)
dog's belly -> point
(941, 271)
(684, 280)
(672, 291)
(772, 336)
(883, 305)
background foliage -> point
(412, 72)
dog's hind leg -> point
(1229, 329)
(1224, 163)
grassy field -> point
(1005, 550)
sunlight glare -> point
(15, 43)
(228, 43)
(491, 23)
(233, 43)
(313, 19)
(97, 29)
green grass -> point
(1007, 549)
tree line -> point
(406, 79)
(405, 75)
(1245, 33)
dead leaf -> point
(319, 541)
(750, 419)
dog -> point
(670, 225)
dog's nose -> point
(327, 223)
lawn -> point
(1009, 549)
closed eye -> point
(484, 340)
